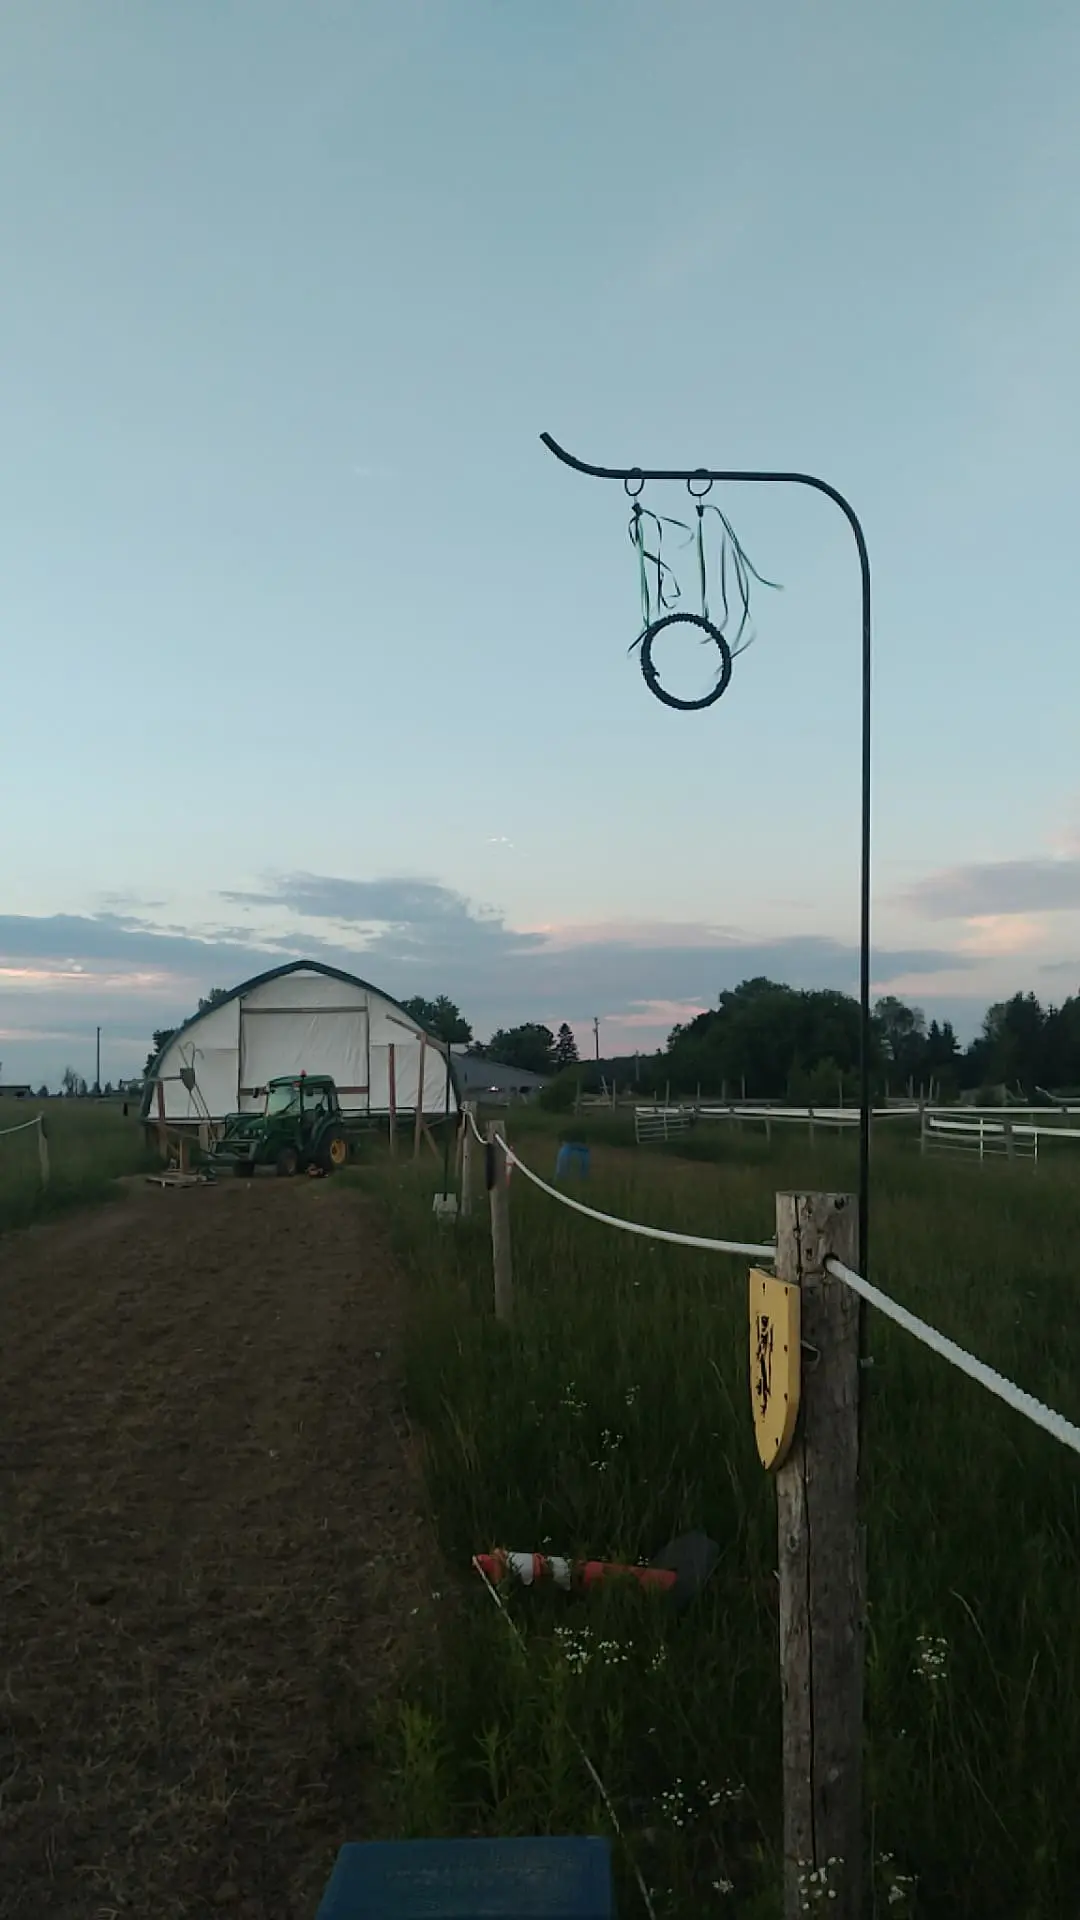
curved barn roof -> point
(279, 973)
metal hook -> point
(707, 488)
(634, 484)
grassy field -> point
(615, 1414)
(91, 1146)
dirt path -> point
(209, 1538)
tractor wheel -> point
(334, 1151)
(288, 1163)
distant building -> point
(16, 1093)
(490, 1080)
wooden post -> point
(810, 1111)
(923, 1128)
(391, 1068)
(501, 1260)
(468, 1144)
(419, 1100)
(821, 1567)
(163, 1131)
(1010, 1141)
(43, 1152)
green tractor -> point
(299, 1130)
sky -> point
(312, 649)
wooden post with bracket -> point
(822, 1567)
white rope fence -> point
(754, 1250)
(1055, 1424)
(1040, 1415)
(36, 1125)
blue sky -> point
(311, 647)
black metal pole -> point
(683, 475)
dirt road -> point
(209, 1538)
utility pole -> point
(596, 1037)
(97, 1082)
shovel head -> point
(692, 1559)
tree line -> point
(532, 1046)
(777, 1041)
(774, 1041)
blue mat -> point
(543, 1879)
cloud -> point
(403, 915)
(408, 935)
(994, 887)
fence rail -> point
(987, 1136)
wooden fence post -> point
(821, 1568)
(391, 1071)
(43, 1152)
(419, 1099)
(1010, 1140)
(467, 1145)
(499, 1196)
(922, 1124)
(163, 1131)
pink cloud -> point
(652, 934)
(72, 976)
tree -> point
(530, 1047)
(1014, 1047)
(213, 999)
(566, 1053)
(768, 1035)
(158, 1043)
(901, 1029)
(441, 1017)
(73, 1084)
(43, 1093)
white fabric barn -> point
(300, 1018)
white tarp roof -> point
(304, 1017)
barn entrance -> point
(278, 1040)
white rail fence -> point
(992, 1132)
(985, 1132)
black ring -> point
(651, 678)
(707, 488)
(634, 493)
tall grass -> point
(91, 1145)
(615, 1414)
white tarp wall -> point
(309, 1021)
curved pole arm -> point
(681, 474)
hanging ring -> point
(631, 491)
(691, 490)
(652, 680)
